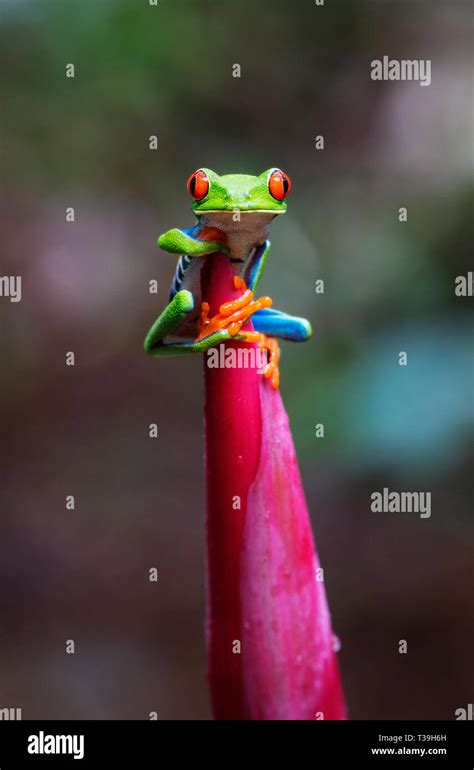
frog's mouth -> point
(235, 210)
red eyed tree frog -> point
(233, 213)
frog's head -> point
(239, 192)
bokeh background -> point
(389, 287)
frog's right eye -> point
(279, 184)
(198, 185)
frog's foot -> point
(233, 315)
(270, 345)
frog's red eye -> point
(198, 185)
(279, 185)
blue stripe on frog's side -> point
(183, 263)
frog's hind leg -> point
(275, 323)
(172, 316)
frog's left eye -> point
(279, 184)
(198, 185)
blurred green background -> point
(389, 287)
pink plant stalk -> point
(270, 644)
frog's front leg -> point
(196, 241)
(269, 321)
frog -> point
(234, 213)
